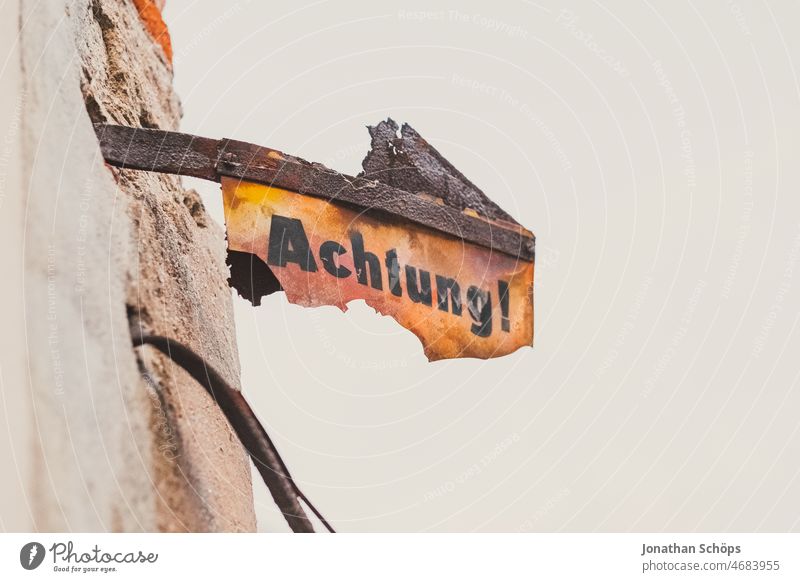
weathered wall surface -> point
(122, 440)
(14, 404)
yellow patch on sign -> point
(459, 299)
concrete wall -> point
(115, 438)
(15, 457)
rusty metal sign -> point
(460, 299)
(418, 242)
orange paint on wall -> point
(150, 13)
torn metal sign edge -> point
(172, 152)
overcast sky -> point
(649, 147)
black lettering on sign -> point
(393, 267)
(479, 304)
(362, 259)
(419, 293)
(502, 287)
(327, 251)
(288, 243)
(446, 287)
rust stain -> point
(150, 13)
(402, 158)
(458, 298)
(445, 212)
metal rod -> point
(170, 152)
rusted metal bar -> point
(177, 153)
(167, 152)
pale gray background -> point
(651, 147)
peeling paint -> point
(150, 13)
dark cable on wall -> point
(247, 427)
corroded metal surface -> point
(154, 150)
(426, 247)
(175, 153)
(408, 162)
(459, 299)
